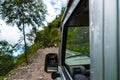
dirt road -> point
(35, 70)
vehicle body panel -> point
(104, 37)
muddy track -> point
(35, 69)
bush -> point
(6, 64)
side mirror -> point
(51, 63)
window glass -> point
(77, 46)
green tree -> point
(6, 63)
(6, 60)
(7, 48)
(78, 39)
(23, 13)
(50, 34)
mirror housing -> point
(51, 63)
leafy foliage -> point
(50, 35)
(30, 51)
(6, 64)
(47, 38)
(78, 39)
(23, 13)
(6, 60)
(27, 12)
(5, 47)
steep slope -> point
(35, 70)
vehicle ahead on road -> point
(89, 42)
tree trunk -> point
(25, 44)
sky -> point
(12, 34)
(54, 7)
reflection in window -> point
(77, 46)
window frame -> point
(65, 24)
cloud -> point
(8, 33)
(64, 3)
(54, 8)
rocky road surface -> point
(35, 69)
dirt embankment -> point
(35, 70)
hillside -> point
(35, 69)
